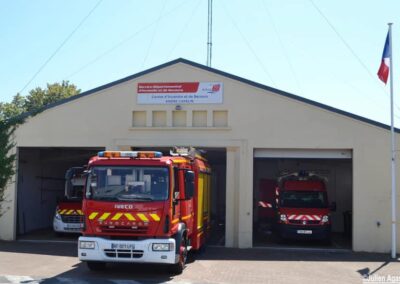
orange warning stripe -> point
(186, 217)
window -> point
(128, 183)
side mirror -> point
(91, 185)
(189, 184)
(332, 207)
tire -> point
(96, 265)
(178, 267)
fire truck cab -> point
(68, 217)
(142, 207)
(302, 207)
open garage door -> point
(41, 184)
(333, 166)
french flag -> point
(383, 72)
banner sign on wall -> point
(180, 93)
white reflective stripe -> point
(305, 217)
(264, 204)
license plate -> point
(122, 246)
(73, 226)
(304, 232)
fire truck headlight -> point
(86, 245)
(283, 218)
(325, 219)
(161, 247)
(57, 216)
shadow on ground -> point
(144, 273)
(149, 273)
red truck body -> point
(302, 207)
(142, 207)
(68, 217)
(266, 211)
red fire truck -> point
(302, 207)
(68, 217)
(142, 207)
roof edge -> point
(219, 72)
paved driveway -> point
(26, 262)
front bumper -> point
(304, 232)
(127, 251)
(60, 227)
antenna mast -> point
(209, 35)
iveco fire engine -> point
(68, 217)
(302, 206)
(142, 207)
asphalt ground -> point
(57, 262)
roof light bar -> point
(149, 154)
(130, 154)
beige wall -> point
(256, 119)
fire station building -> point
(251, 134)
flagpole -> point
(394, 233)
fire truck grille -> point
(308, 222)
(72, 218)
(127, 230)
(123, 253)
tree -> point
(10, 118)
(39, 97)
(7, 159)
(13, 109)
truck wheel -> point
(96, 265)
(178, 267)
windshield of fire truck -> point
(129, 183)
(303, 199)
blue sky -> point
(284, 44)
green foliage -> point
(7, 159)
(13, 109)
(10, 118)
(37, 99)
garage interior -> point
(41, 182)
(338, 172)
